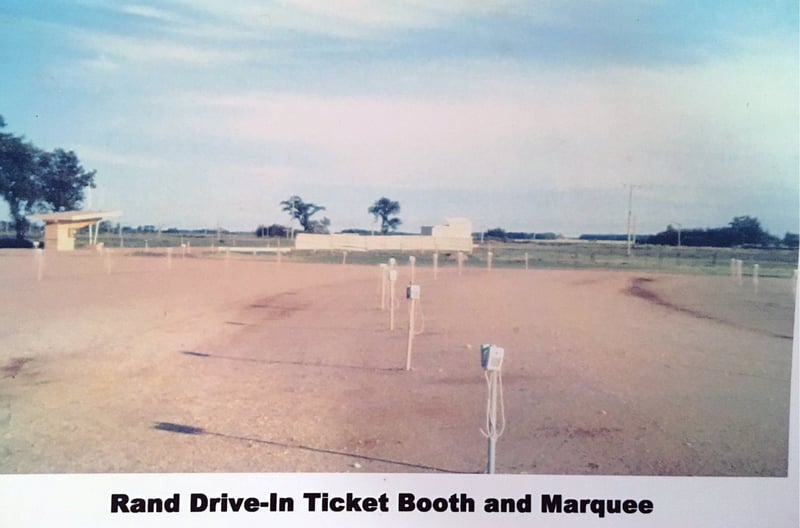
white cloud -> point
(431, 123)
(92, 155)
(149, 12)
(361, 18)
(349, 18)
(363, 13)
(355, 18)
(141, 50)
(556, 131)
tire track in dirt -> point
(14, 366)
(638, 289)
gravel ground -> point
(127, 365)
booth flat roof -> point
(74, 216)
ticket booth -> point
(61, 228)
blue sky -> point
(527, 115)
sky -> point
(530, 115)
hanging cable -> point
(491, 361)
(502, 404)
(491, 427)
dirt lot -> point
(253, 366)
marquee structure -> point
(455, 235)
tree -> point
(384, 209)
(742, 230)
(107, 226)
(33, 180)
(274, 230)
(62, 180)
(301, 211)
(496, 233)
(320, 226)
(747, 230)
(18, 184)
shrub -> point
(15, 243)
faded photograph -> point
(506, 237)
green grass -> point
(195, 240)
(666, 259)
(541, 255)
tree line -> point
(500, 234)
(33, 180)
(740, 231)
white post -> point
(411, 309)
(412, 261)
(383, 269)
(435, 265)
(526, 260)
(169, 258)
(630, 200)
(739, 266)
(344, 257)
(227, 257)
(460, 258)
(755, 277)
(491, 420)
(392, 281)
(489, 256)
(733, 269)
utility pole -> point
(630, 201)
(630, 215)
